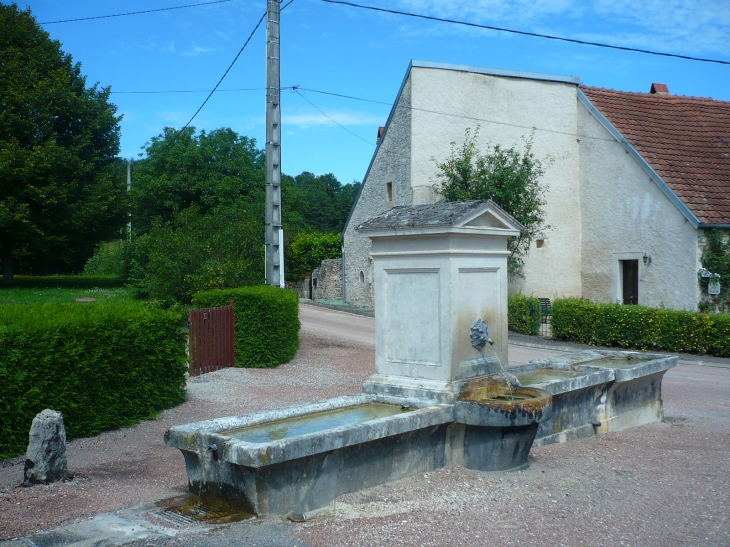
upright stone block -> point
(46, 456)
(439, 269)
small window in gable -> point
(389, 191)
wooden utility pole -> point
(274, 234)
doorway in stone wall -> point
(630, 281)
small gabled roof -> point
(479, 214)
(686, 140)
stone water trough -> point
(440, 394)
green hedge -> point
(105, 365)
(65, 281)
(523, 314)
(267, 323)
(639, 327)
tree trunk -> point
(7, 259)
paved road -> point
(361, 329)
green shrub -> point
(523, 314)
(110, 258)
(64, 281)
(197, 252)
(105, 365)
(267, 323)
(639, 327)
(308, 250)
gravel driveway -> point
(666, 484)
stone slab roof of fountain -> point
(458, 214)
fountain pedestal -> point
(438, 269)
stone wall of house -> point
(391, 164)
(506, 109)
(327, 280)
(626, 216)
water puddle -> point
(313, 423)
(540, 375)
(613, 362)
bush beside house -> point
(638, 327)
(523, 314)
(104, 365)
(267, 323)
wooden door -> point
(630, 281)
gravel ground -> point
(660, 485)
(132, 466)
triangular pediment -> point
(489, 215)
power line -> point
(222, 77)
(525, 33)
(344, 96)
(134, 12)
(295, 89)
(439, 113)
(187, 91)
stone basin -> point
(497, 423)
(597, 391)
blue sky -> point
(365, 54)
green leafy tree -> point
(195, 252)
(308, 250)
(321, 201)
(58, 139)
(716, 259)
(209, 170)
(509, 177)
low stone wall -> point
(327, 280)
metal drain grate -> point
(189, 510)
(173, 518)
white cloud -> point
(305, 119)
(197, 50)
(681, 26)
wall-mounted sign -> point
(713, 287)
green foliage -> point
(639, 327)
(308, 250)
(211, 171)
(62, 281)
(523, 314)
(44, 295)
(194, 252)
(507, 176)
(105, 365)
(716, 258)
(110, 258)
(267, 323)
(317, 202)
(58, 140)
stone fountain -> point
(440, 394)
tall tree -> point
(209, 170)
(508, 176)
(58, 198)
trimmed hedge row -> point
(267, 322)
(65, 281)
(523, 314)
(639, 327)
(105, 365)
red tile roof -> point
(685, 139)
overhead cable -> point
(295, 89)
(222, 77)
(135, 12)
(525, 33)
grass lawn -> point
(17, 295)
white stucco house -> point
(634, 179)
